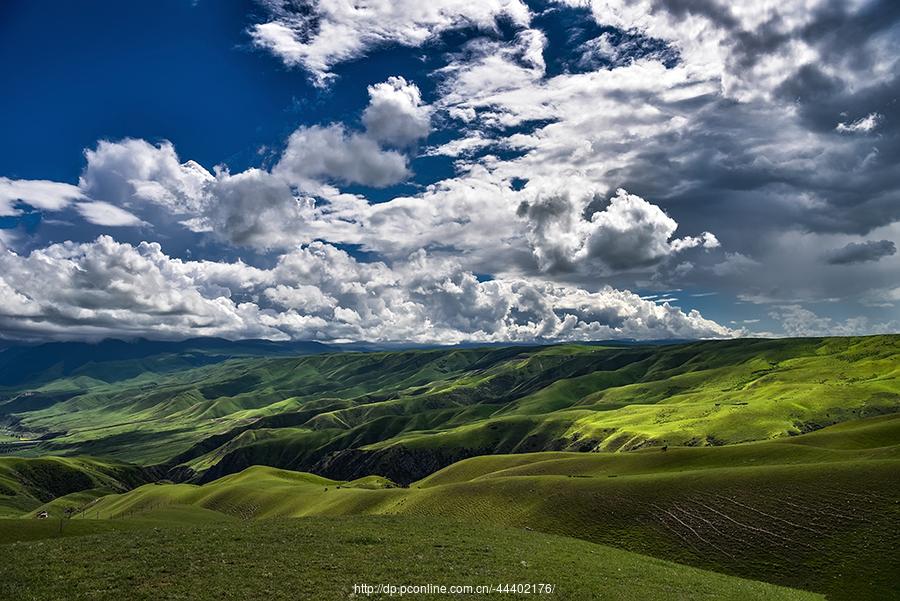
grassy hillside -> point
(27, 484)
(406, 414)
(773, 460)
(819, 511)
(319, 558)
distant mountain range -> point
(34, 363)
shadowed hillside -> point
(26, 484)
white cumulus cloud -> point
(628, 233)
(106, 288)
(396, 114)
(333, 153)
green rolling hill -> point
(746, 460)
(405, 414)
(805, 512)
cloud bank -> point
(106, 288)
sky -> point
(449, 171)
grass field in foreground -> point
(819, 512)
(319, 558)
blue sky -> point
(498, 171)
(173, 70)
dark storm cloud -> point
(860, 252)
(715, 12)
(841, 34)
(751, 165)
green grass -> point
(298, 413)
(14, 530)
(320, 558)
(782, 459)
(701, 394)
(819, 511)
